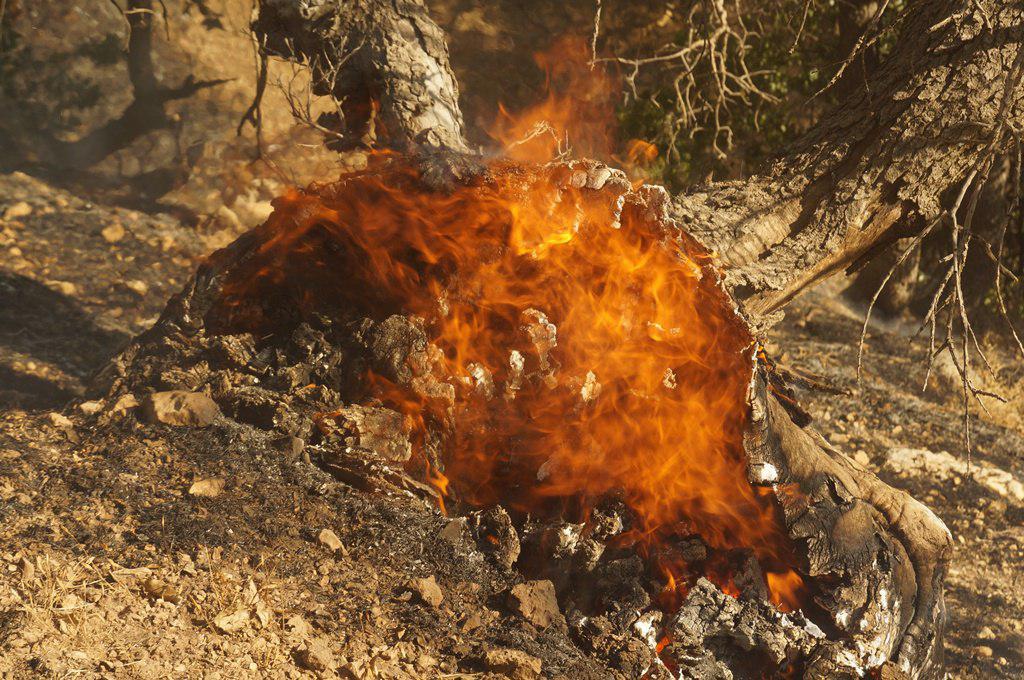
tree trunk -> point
(384, 61)
(876, 169)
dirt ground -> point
(148, 551)
(115, 562)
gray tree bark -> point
(384, 61)
(876, 169)
(879, 167)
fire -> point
(584, 347)
(578, 112)
(589, 352)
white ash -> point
(591, 388)
(647, 626)
(544, 336)
(482, 379)
(669, 379)
(764, 473)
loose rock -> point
(16, 210)
(512, 663)
(113, 233)
(210, 487)
(160, 590)
(940, 466)
(536, 602)
(330, 540)
(90, 407)
(138, 287)
(315, 656)
(427, 590)
(177, 407)
(231, 622)
(60, 420)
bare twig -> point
(863, 43)
(803, 23)
(948, 297)
(254, 114)
(708, 72)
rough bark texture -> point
(888, 551)
(875, 170)
(384, 61)
(878, 167)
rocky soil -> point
(132, 548)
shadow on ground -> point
(49, 344)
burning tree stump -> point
(486, 336)
(341, 321)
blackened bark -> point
(877, 169)
(384, 61)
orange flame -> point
(588, 352)
(583, 346)
(578, 112)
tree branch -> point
(878, 168)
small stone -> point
(90, 408)
(986, 633)
(297, 625)
(252, 212)
(473, 621)
(65, 287)
(330, 540)
(160, 590)
(231, 622)
(862, 458)
(138, 287)
(536, 602)
(181, 408)
(427, 590)
(60, 420)
(125, 402)
(209, 487)
(315, 656)
(983, 651)
(113, 233)
(19, 209)
(512, 663)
